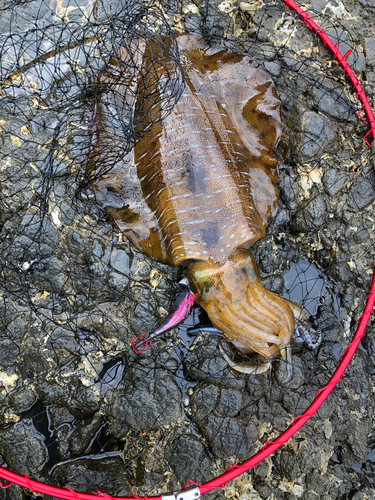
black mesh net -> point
(78, 407)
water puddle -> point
(337, 350)
(371, 453)
(181, 352)
(97, 457)
(39, 418)
(103, 441)
(111, 374)
(357, 468)
(306, 284)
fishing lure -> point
(180, 310)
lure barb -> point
(139, 344)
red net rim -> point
(270, 446)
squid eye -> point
(204, 284)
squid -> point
(198, 189)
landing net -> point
(79, 409)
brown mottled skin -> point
(200, 188)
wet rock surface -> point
(157, 403)
(78, 408)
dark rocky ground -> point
(78, 408)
